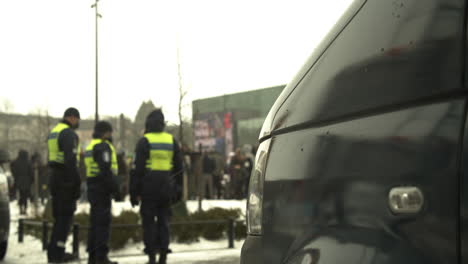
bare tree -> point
(139, 125)
(182, 94)
(42, 122)
(7, 106)
(38, 130)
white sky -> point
(47, 50)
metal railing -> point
(45, 225)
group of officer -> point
(155, 182)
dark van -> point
(4, 205)
(364, 156)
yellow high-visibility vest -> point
(161, 151)
(55, 155)
(92, 168)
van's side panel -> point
(391, 53)
(326, 188)
(381, 106)
(464, 198)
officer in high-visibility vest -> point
(156, 182)
(64, 182)
(101, 170)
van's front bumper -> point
(252, 252)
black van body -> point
(4, 205)
(379, 107)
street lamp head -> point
(95, 4)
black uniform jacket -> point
(105, 182)
(159, 186)
(65, 178)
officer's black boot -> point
(91, 259)
(68, 257)
(152, 259)
(162, 257)
(104, 260)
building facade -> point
(223, 123)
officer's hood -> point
(155, 122)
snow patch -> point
(30, 251)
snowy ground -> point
(202, 252)
(192, 206)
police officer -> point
(101, 169)
(156, 182)
(64, 182)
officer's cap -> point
(102, 127)
(72, 112)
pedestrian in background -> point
(156, 183)
(39, 169)
(43, 183)
(82, 170)
(218, 174)
(248, 165)
(238, 175)
(207, 178)
(22, 171)
(122, 174)
(189, 176)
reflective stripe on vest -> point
(55, 155)
(161, 151)
(92, 168)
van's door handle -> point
(405, 200)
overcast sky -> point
(47, 50)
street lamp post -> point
(95, 6)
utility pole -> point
(95, 6)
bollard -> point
(45, 235)
(231, 233)
(20, 230)
(76, 240)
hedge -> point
(186, 233)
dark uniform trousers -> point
(155, 225)
(63, 209)
(100, 221)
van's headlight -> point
(255, 198)
(4, 188)
(3, 183)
